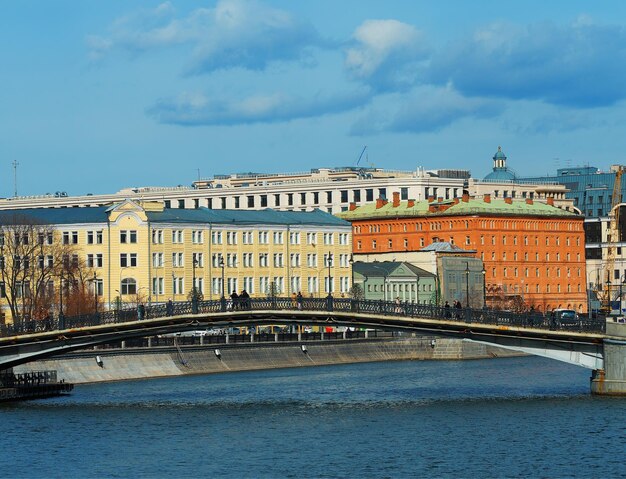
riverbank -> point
(101, 365)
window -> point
(311, 238)
(278, 237)
(158, 286)
(157, 260)
(278, 260)
(263, 260)
(247, 237)
(264, 284)
(216, 286)
(198, 259)
(231, 260)
(128, 286)
(311, 260)
(128, 260)
(178, 285)
(177, 236)
(128, 236)
(343, 238)
(296, 284)
(328, 239)
(248, 260)
(215, 260)
(178, 260)
(197, 237)
(248, 284)
(232, 284)
(231, 237)
(328, 259)
(344, 284)
(312, 284)
(295, 260)
(216, 237)
(263, 237)
(294, 238)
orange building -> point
(533, 252)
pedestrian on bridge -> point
(446, 308)
(169, 307)
(234, 297)
(299, 300)
(141, 311)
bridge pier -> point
(611, 381)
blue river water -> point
(513, 417)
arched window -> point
(129, 286)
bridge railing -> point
(328, 304)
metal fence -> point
(327, 304)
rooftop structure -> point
(328, 189)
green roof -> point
(471, 207)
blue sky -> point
(97, 96)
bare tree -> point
(33, 258)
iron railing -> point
(327, 304)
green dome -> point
(499, 154)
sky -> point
(96, 96)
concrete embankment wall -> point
(123, 364)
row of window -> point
(23, 289)
(514, 272)
(548, 256)
(266, 284)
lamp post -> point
(222, 298)
(330, 286)
(467, 272)
(484, 272)
(194, 292)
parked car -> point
(564, 317)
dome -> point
(500, 171)
(499, 154)
(500, 174)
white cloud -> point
(236, 33)
(386, 54)
(424, 109)
(193, 109)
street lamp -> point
(223, 298)
(330, 286)
(467, 272)
(194, 263)
(484, 272)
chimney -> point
(431, 198)
(508, 200)
(410, 204)
(432, 208)
(352, 206)
(380, 203)
(456, 201)
(440, 199)
(465, 197)
(550, 201)
(396, 199)
(529, 201)
(487, 197)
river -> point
(513, 417)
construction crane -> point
(613, 235)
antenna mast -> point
(15, 165)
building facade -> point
(533, 253)
(134, 252)
(329, 189)
(391, 280)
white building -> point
(329, 189)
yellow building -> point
(140, 252)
